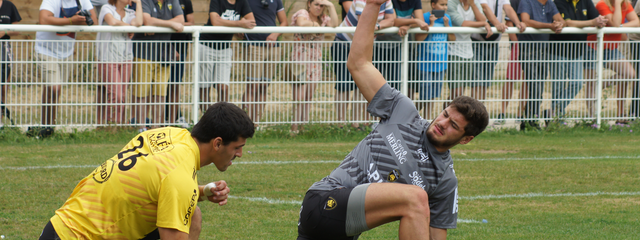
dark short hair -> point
(224, 120)
(112, 2)
(474, 112)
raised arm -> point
(365, 75)
(139, 20)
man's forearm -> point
(489, 13)
(513, 16)
(536, 24)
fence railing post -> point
(196, 75)
(600, 64)
(404, 74)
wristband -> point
(71, 22)
(207, 191)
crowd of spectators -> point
(136, 64)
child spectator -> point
(433, 57)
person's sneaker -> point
(182, 122)
(39, 132)
(499, 120)
(142, 130)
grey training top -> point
(374, 158)
(157, 48)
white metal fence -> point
(94, 92)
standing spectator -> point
(264, 51)
(313, 16)
(52, 50)
(172, 109)
(8, 15)
(568, 56)
(465, 13)
(486, 49)
(534, 54)
(617, 14)
(115, 54)
(97, 5)
(339, 52)
(215, 57)
(433, 57)
(634, 50)
(151, 77)
(514, 72)
(388, 55)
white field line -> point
(533, 195)
(275, 162)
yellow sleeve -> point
(177, 200)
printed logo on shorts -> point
(393, 175)
(331, 204)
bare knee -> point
(417, 201)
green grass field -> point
(564, 184)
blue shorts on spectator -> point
(431, 85)
(607, 55)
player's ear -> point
(466, 139)
(216, 143)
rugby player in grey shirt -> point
(402, 170)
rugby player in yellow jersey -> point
(149, 190)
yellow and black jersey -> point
(150, 183)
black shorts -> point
(323, 215)
(49, 233)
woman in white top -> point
(313, 16)
(115, 54)
(464, 13)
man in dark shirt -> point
(215, 52)
(402, 170)
(8, 15)
(148, 50)
(263, 51)
(536, 14)
(568, 56)
(172, 111)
